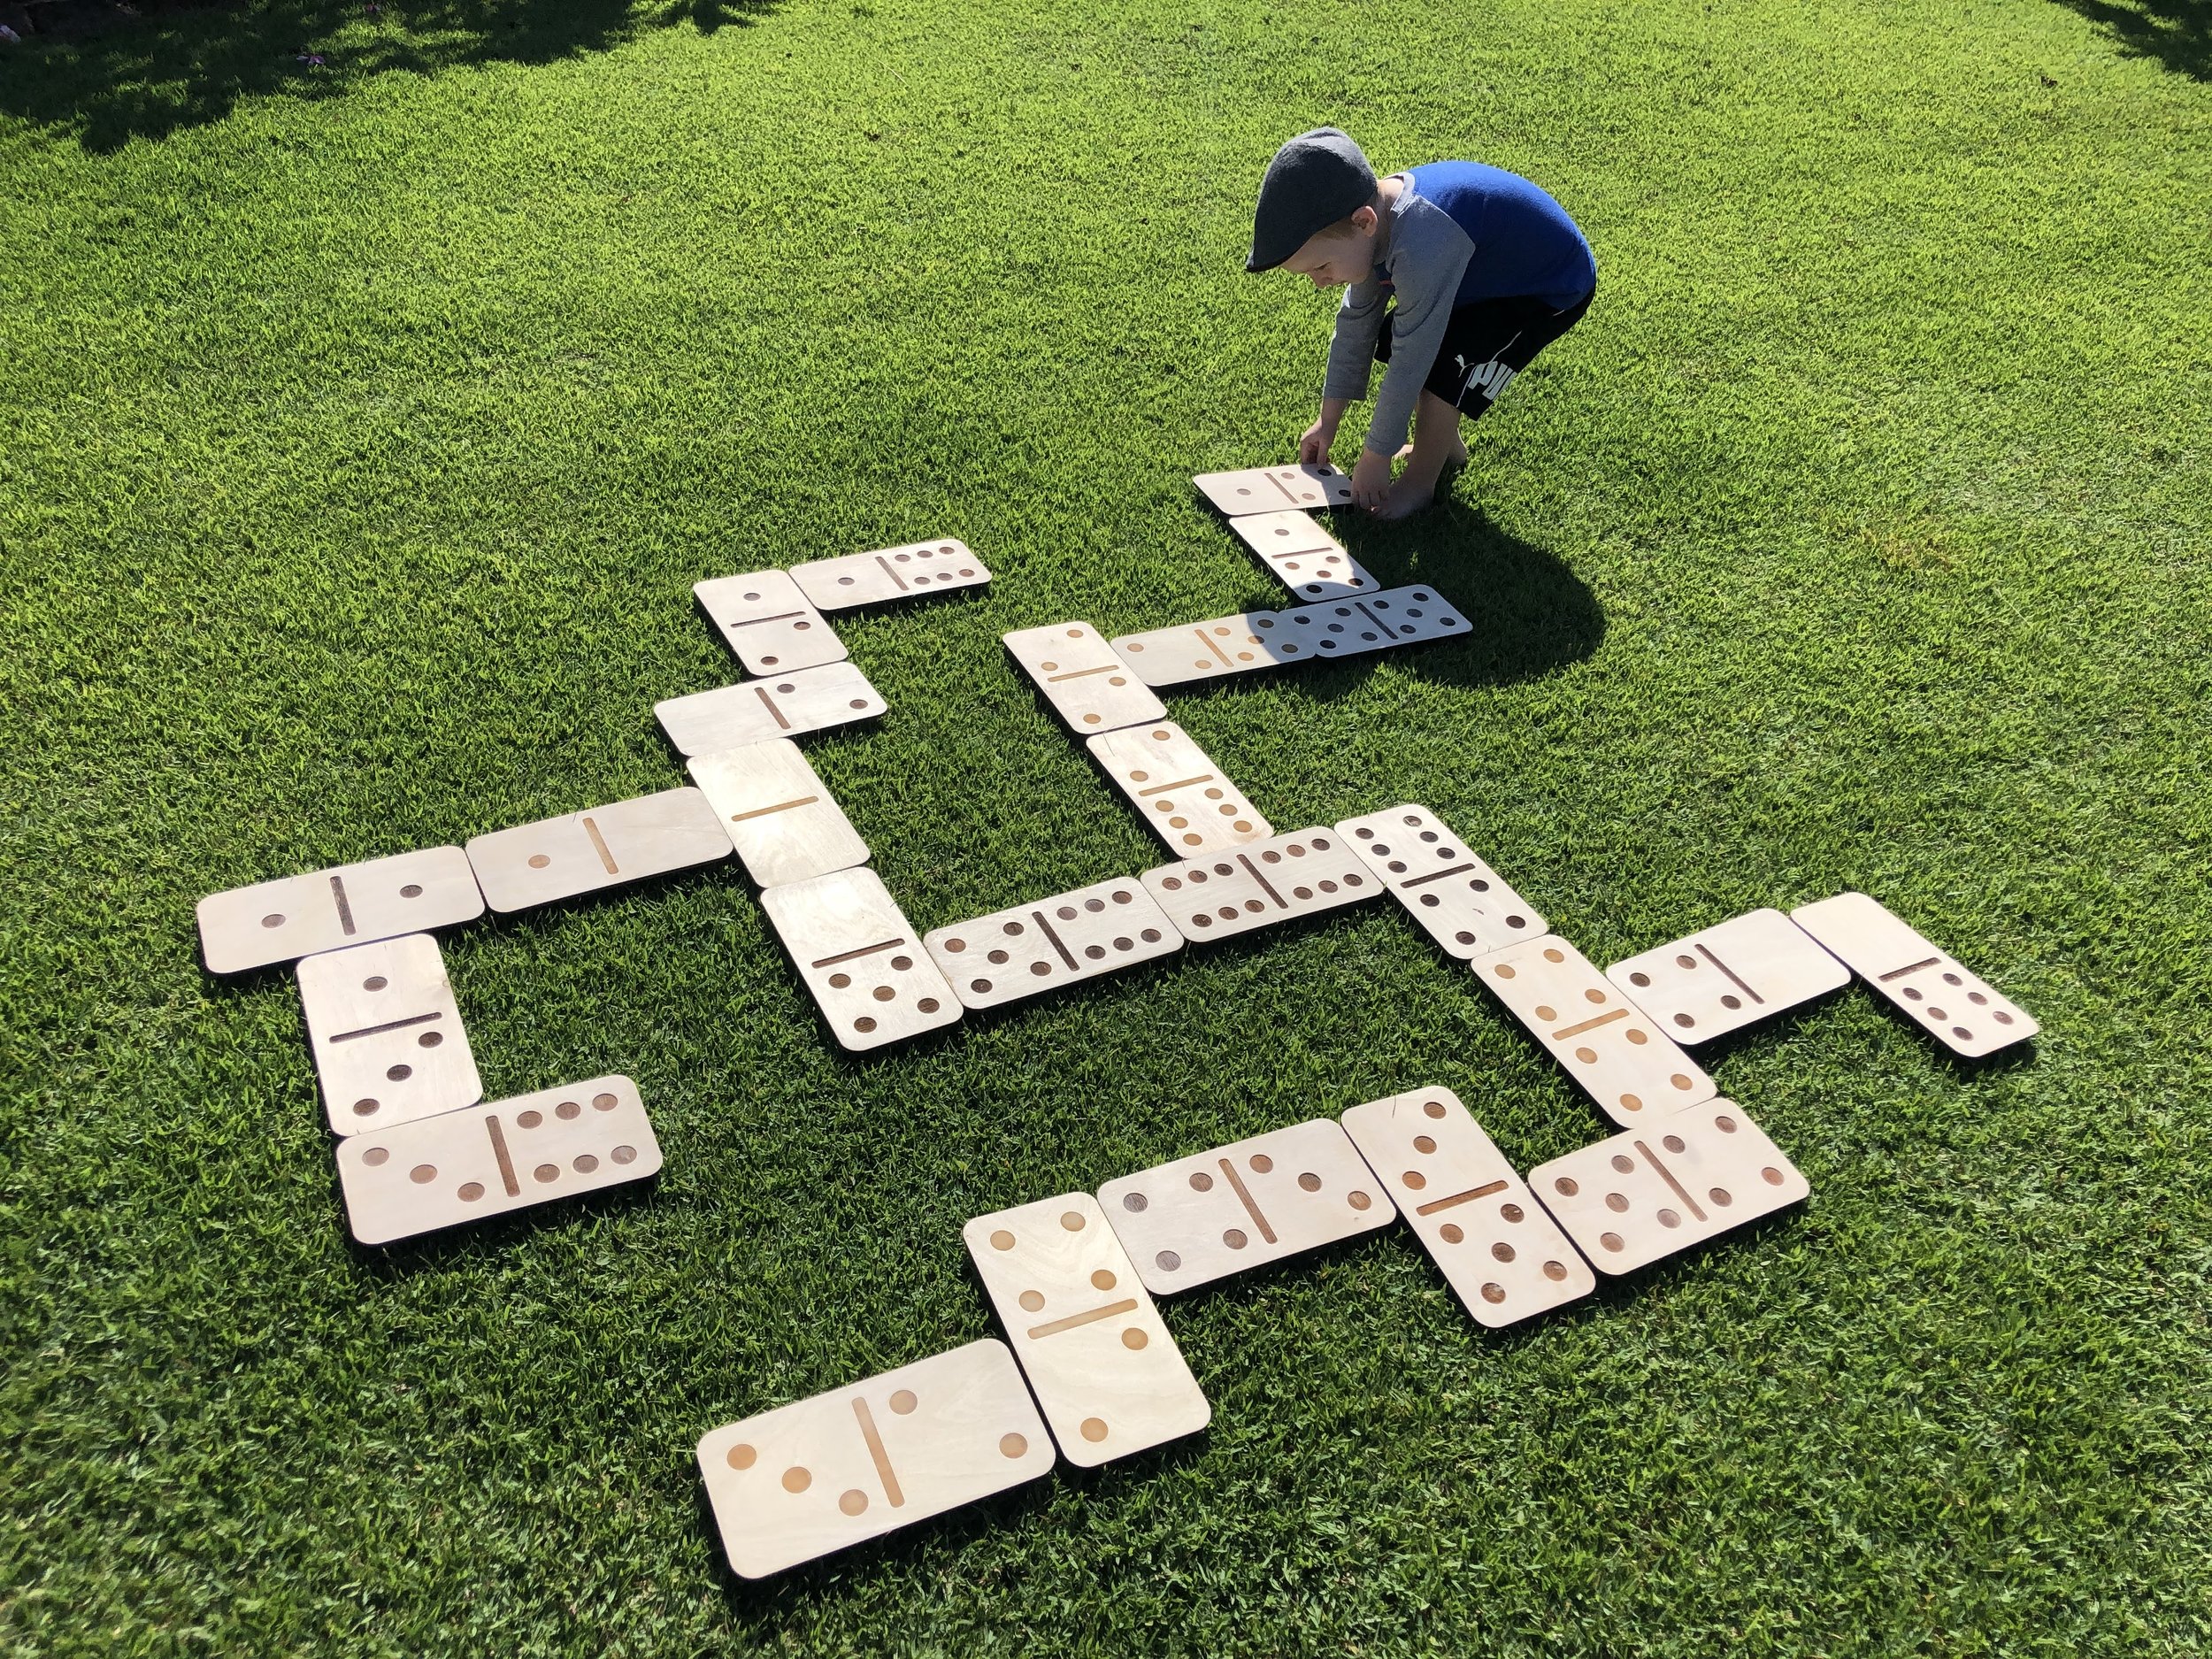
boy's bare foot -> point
(1415, 487)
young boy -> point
(1487, 270)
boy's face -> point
(1333, 261)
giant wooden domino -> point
(1069, 1276)
(858, 1461)
(387, 1033)
(1107, 1374)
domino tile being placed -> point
(604, 846)
(915, 570)
(293, 917)
(489, 1160)
(1103, 1367)
(1255, 1202)
(1033, 948)
(1667, 1185)
(823, 1474)
(1729, 976)
(1175, 784)
(1459, 900)
(772, 625)
(1275, 489)
(387, 1034)
(1958, 1008)
(754, 710)
(1503, 1256)
(773, 807)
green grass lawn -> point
(362, 429)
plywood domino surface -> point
(1498, 1248)
(487, 1160)
(1033, 948)
(387, 1034)
(292, 917)
(1304, 555)
(1275, 489)
(1958, 1008)
(822, 1474)
(1729, 976)
(1460, 902)
(1278, 879)
(783, 705)
(860, 958)
(1617, 1053)
(772, 806)
(914, 571)
(1212, 650)
(772, 625)
(1376, 622)
(1079, 674)
(1182, 795)
(604, 846)
(1667, 1185)
(1255, 1202)
(1103, 1367)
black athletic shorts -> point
(1485, 344)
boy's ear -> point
(1364, 220)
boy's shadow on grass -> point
(97, 71)
(1529, 613)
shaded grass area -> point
(358, 445)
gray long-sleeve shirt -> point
(1422, 255)
(1459, 233)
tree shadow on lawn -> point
(2177, 33)
(106, 77)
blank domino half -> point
(1107, 1375)
(1957, 1008)
(786, 826)
(1301, 873)
(823, 1474)
(754, 710)
(1499, 1251)
(1275, 489)
(1631, 1068)
(1033, 948)
(860, 958)
(1087, 684)
(328, 909)
(772, 625)
(604, 847)
(487, 1160)
(1177, 789)
(1667, 1185)
(1460, 902)
(388, 1043)
(1255, 1202)
(1729, 976)
(912, 572)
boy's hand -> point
(1370, 481)
(1314, 445)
